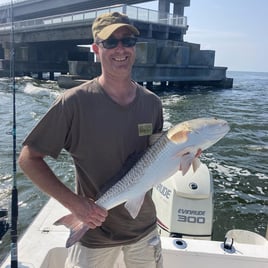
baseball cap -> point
(105, 24)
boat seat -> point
(246, 237)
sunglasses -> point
(113, 42)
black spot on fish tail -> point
(127, 166)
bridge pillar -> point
(51, 76)
(178, 9)
(40, 75)
(5, 50)
(7, 53)
(179, 6)
(164, 8)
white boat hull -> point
(42, 246)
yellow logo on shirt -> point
(145, 129)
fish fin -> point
(133, 206)
(186, 161)
(196, 164)
(77, 228)
(76, 234)
(68, 221)
(155, 137)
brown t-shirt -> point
(100, 135)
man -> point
(101, 123)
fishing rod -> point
(14, 195)
(4, 225)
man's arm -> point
(36, 169)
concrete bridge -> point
(54, 43)
(29, 9)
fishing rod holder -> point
(4, 225)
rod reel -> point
(4, 225)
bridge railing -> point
(136, 13)
(7, 2)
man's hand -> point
(88, 212)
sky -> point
(236, 29)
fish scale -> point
(136, 173)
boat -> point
(187, 244)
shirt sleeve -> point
(50, 135)
(160, 119)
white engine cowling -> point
(184, 204)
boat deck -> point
(42, 246)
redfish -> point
(176, 149)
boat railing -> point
(135, 13)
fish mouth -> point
(220, 128)
(223, 129)
(217, 135)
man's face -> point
(117, 61)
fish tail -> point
(68, 221)
(77, 228)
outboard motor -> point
(184, 204)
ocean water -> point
(238, 162)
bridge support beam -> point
(164, 6)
